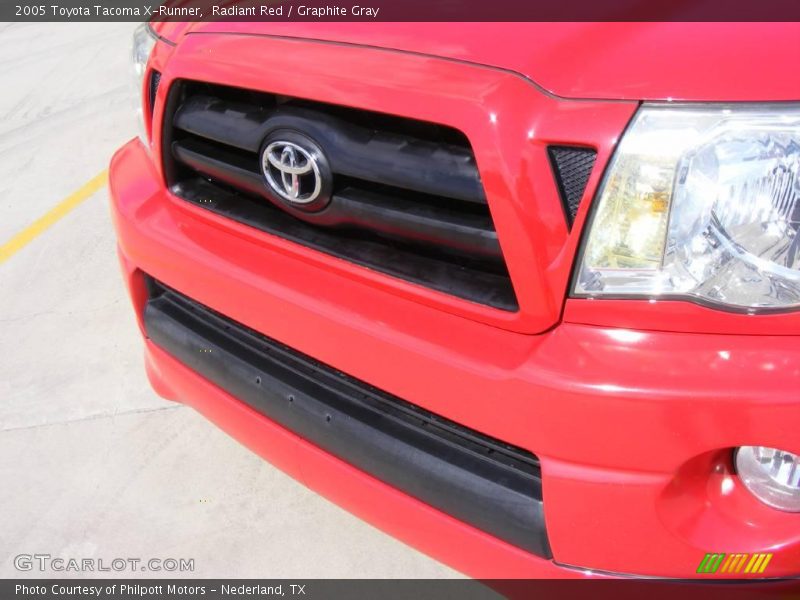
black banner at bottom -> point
(466, 589)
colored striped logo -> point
(734, 563)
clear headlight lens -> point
(771, 475)
(144, 41)
(701, 202)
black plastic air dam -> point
(493, 486)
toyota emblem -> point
(292, 172)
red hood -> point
(639, 61)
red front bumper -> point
(634, 429)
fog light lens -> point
(773, 476)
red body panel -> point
(722, 62)
(633, 425)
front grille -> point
(475, 478)
(405, 196)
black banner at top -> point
(399, 10)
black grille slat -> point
(220, 164)
(430, 224)
(406, 197)
(235, 124)
(572, 167)
(478, 479)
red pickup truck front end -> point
(379, 256)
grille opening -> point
(358, 246)
(406, 195)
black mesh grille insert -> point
(155, 79)
(572, 166)
(405, 195)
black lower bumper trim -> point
(477, 479)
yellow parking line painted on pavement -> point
(51, 217)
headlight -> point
(773, 476)
(144, 41)
(700, 203)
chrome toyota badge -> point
(292, 172)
